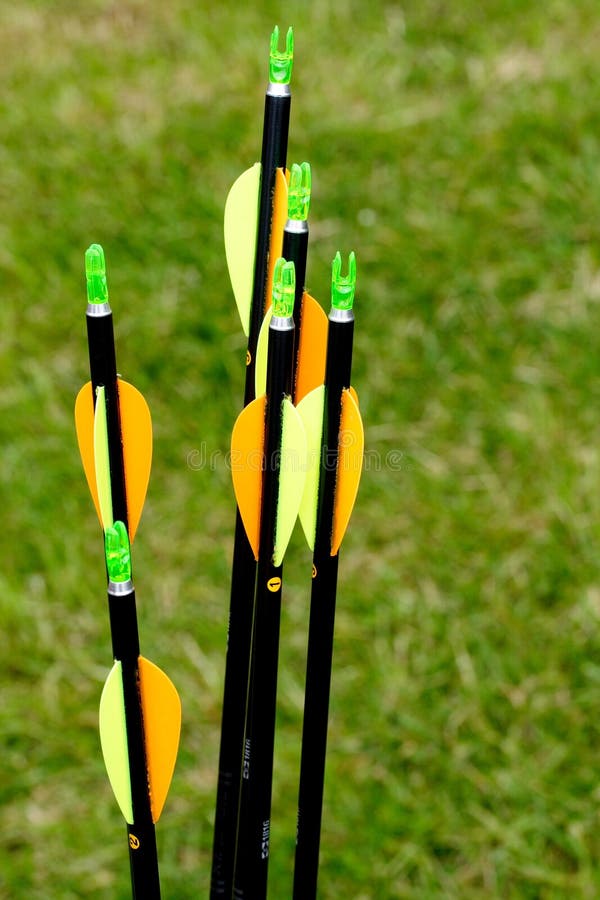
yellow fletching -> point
(292, 475)
(247, 461)
(349, 468)
(161, 712)
(240, 227)
(262, 353)
(113, 739)
(136, 438)
(161, 717)
(247, 452)
(310, 410)
(101, 460)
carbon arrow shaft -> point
(251, 866)
(141, 836)
(273, 156)
(103, 372)
(295, 249)
(243, 578)
(322, 614)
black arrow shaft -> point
(252, 859)
(141, 837)
(295, 249)
(103, 372)
(243, 575)
(273, 157)
(322, 618)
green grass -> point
(456, 148)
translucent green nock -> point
(280, 62)
(118, 555)
(284, 288)
(343, 286)
(95, 274)
(299, 192)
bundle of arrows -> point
(140, 711)
(298, 449)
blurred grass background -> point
(456, 148)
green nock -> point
(118, 555)
(299, 192)
(284, 289)
(343, 286)
(280, 63)
(95, 274)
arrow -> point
(256, 207)
(268, 446)
(140, 711)
(255, 214)
(335, 448)
(310, 320)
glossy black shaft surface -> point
(141, 837)
(322, 620)
(295, 249)
(255, 806)
(243, 576)
(273, 157)
(237, 665)
(103, 373)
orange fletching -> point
(313, 348)
(161, 712)
(278, 220)
(84, 424)
(136, 435)
(350, 461)
(247, 452)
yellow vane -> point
(240, 227)
(349, 466)
(136, 437)
(161, 714)
(247, 467)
